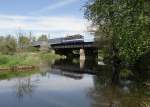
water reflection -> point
(24, 87)
(128, 94)
(74, 83)
(124, 92)
(76, 65)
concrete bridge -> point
(84, 50)
(74, 45)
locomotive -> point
(69, 39)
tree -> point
(23, 42)
(11, 44)
(33, 39)
(8, 44)
(43, 38)
(125, 24)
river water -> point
(70, 83)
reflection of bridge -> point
(72, 70)
(69, 74)
(76, 69)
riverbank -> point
(25, 61)
(10, 74)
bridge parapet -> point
(73, 46)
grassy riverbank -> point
(25, 59)
(25, 63)
(9, 74)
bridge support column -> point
(82, 54)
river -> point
(70, 83)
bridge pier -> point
(82, 54)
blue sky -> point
(54, 17)
(42, 7)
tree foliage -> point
(43, 38)
(23, 42)
(124, 23)
(8, 44)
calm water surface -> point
(70, 84)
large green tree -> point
(125, 24)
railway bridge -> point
(84, 50)
(75, 47)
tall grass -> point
(26, 59)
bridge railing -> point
(83, 45)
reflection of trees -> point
(125, 94)
(24, 87)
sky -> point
(54, 17)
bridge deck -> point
(66, 45)
(74, 45)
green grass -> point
(19, 59)
(49, 56)
(8, 75)
(26, 59)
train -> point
(69, 39)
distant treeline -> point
(10, 44)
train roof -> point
(69, 37)
(74, 36)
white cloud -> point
(42, 24)
(56, 5)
